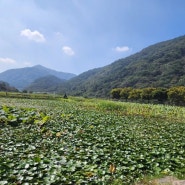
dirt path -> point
(169, 180)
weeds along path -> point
(88, 141)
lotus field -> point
(88, 141)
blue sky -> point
(78, 35)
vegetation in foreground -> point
(89, 141)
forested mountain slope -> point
(159, 65)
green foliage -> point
(135, 94)
(125, 92)
(176, 95)
(116, 93)
(160, 94)
(146, 93)
(110, 106)
(88, 141)
(15, 117)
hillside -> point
(159, 65)
(23, 77)
(6, 87)
(45, 84)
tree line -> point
(172, 95)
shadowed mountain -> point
(4, 86)
(48, 83)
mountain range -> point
(23, 77)
(159, 65)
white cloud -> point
(7, 61)
(122, 49)
(68, 51)
(33, 35)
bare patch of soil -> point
(168, 180)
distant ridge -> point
(23, 77)
(48, 83)
(4, 86)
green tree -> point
(135, 94)
(146, 93)
(125, 92)
(176, 95)
(116, 93)
(160, 94)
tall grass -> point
(146, 110)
